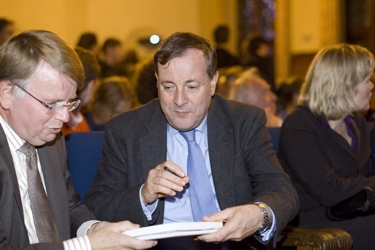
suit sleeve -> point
(270, 183)
(114, 193)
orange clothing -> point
(83, 126)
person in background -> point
(227, 78)
(288, 95)
(6, 30)
(110, 57)
(225, 59)
(39, 208)
(89, 41)
(237, 173)
(77, 121)
(145, 81)
(324, 144)
(259, 54)
(113, 96)
(252, 89)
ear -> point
(213, 83)
(157, 80)
(6, 89)
(156, 75)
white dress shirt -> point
(19, 161)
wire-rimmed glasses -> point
(53, 108)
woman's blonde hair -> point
(332, 79)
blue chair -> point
(84, 151)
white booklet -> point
(175, 229)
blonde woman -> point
(324, 144)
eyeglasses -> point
(55, 107)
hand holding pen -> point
(170, 171)
(166, 179)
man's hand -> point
(108, 235)
(241, 222)
(161, 182)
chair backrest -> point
(275, 134)
(84, 151)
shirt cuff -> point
(148, 209)
(79, 243)
(84, 228)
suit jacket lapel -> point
(155, 130)
(343, 143)
(6, 158)
(358, 134)
(220, 142)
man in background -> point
(225, 59)
(254, 90)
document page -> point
(175, 229)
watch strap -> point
(266, 218)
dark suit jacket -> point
(244, 166)
(225, 58)
(69, 213)
(322, 166)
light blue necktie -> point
(201, 195)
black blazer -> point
(244, 166)
(321, 164)
(68, 212)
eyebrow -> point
(188, 81)
(59, 100)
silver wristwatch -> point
(266, 218)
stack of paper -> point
(175, 229)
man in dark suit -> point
(251, 192)
(39, 75)
(225, 58)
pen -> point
(170, 171)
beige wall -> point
(120, 18)
(304, 26)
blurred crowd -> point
(119, 79)
(126, 79)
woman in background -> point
(112, 97)
(324, 144)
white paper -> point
(175, 229)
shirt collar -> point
(201, 128)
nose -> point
(62, 114)
(180, 98)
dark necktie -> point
(201, 195)
(42, 213)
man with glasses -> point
(39, 209)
